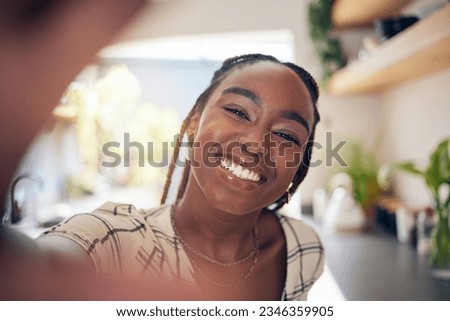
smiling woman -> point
(250, 135)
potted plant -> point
(326, 45)
(362, 168)
(437, 178)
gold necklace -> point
(206, 257)
(228, 284)
(254, 252)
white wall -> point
(415, 117)
(182, 17)
(346, 117)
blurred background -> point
(384, 71)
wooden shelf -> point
(422, 49)
(358, 13)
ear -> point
(192, 126)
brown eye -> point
(237, 112)
(288, 137)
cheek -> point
(205, 150)
(212, 137)
(288, 160)
(210, 130)
(288, 156)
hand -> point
(39, 56)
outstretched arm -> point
(43, 46)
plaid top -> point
(123, 240)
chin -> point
(237, 206)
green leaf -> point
(328, 49)
(409, 167)
(386, 171)
(362, 168)
(438, 170)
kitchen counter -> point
(375, 266)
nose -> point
(253, 147)
(251, 153)
(256, 145)
(253, 141)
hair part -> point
(228, 66)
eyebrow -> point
(243, 92)
(290, 115)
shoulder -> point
(111, 234)
(112, 218)
(108, 219)
(302, 243)
(305, 257)
(298, 231)
(112, 214)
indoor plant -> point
(362, 167)
(326, 45)
(437, 179)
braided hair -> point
(228, 66)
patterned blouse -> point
(123, 240)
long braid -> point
(176, 153)
(227, 67)
(184, 180)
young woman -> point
(250, 135)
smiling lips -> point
(241, 172)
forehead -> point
(277, 85)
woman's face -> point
(250, 138)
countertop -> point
(375, 266)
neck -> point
(216, 233)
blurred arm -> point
(64, 253)
(38, 60)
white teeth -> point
(239, 171)
(245, 173)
